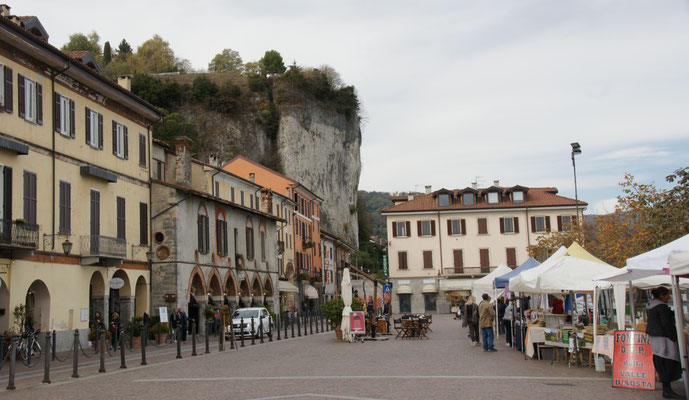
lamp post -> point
(576, 149)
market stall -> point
(485, 285)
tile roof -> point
(536, 197)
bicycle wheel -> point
(36, 348)
(21, 350)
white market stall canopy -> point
(485, 284)
(527, 280)
(570, 273)
(679, 263)
(654, 262)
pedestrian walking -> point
(471, 319)
(185, 324)
(507, 323)
(97, 321)
(115, 330)
(175, 319)
(663, 335)
(501, 314)
(486, 317)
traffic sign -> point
(387, 289)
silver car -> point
(259, 314)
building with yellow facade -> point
(74, 186)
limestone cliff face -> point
(316, 146)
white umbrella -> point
(347, 298)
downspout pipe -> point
(150, 211)
(55, 111)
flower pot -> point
(338, 334)
(163, 337)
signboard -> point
(116, 283)
(385, 265)
(387, 289)
(84, 314)
(356, 322)
(633, 361)
(163, 314)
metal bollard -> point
(278, 326)
(97, 337)
(309, 316)
(221, 341)
(253, 334)
(144, 342)
(193, 337)
(241, 331)
(2, 351)
(260, 329)
(320, 316)
(13, 363)
(29, 351)
(316, 321)
(208, 349)
(75, 360)
(291, 324)
(54, 344)
(305, 321)
(102, 351)
(178, 333)
(46, 367)
(270, 329)
(298, 325)
(123, 365)
(131, 336)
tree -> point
(107, 53)
(155, 91)
(252, 68)
(81, 42)
(203, 89)
(227, 61)
(173, 125)
(154, 56)
(332, 77)
(272, 63)
(182, 65)
(124, 48)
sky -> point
(457, 91)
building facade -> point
(439, 242)
(75, 194)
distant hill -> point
(375, 202)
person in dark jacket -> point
(115, 330)
(662, 332)
(471, 319)
(501, 314)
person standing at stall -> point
(662, 332)
(507, 323)
(486, 316)
(471, 319)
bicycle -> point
(23, 345)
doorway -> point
(405, 303)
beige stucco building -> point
(439, 242)
(74, 156)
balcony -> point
(102, 250)
(467, 271)
(18, 239)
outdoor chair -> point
(397, 324)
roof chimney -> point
(252, 177)
(213, 160)
(428, 189)
(5, 10)
(474, 185)
(183, 161)
(496, 183)
(125, 81)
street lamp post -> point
(576, 149)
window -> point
(485, 261)
(142, 150)
(517, 197)
(492, 198)
(64, 116)
(94, 129)
(95, 222)
(402, 259)
(507, 224)
(6, 194)
(540, 224)
(263, 246)
(65, 208)
(444, 200)
(221, 237)
(30, 100)
(121, 221)
(160, 170)
(511, 257)
(241, 197)
(216, 189)
(456, 227)
(30, 197)
(120, 142)
(257, 202)
(458, 261)
(400, 229)
(468, 199)
(564, 222)
(249, 243)
(143, 224)
(427, 259)
(232, 194)
(6, 88)
(426, 228)
(202, 227)
(429, 300)
(482, 226)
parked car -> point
(258, 314)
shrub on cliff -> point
(203, 89)
(163, 94)
(174, 125)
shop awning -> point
(310, 292)
(404, 289)
(16, 147)
(98, 173)
(449, 285)
(429, 288)
(285, 286)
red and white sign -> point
(633, 361)
(356, 322)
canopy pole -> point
(679, 324)
(632, 309)
(596, 293)
(497, 327)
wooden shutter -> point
(432, 227)
(88, 124)
(511, 257)
(114, 137)
(199, 229)
(248, 243)
(218, 238)
(485, 261)
(7, 193)
(559, 223)
(39, 103)
(100, 131)
(56, 112)
(458, 261)
(547, 224)
(533, 224)
(407, 225)
(502, 225)
(464, 227)
(428, 259)
(402, 256)
(72, 120)
(206, 232)
(142, 150)
(143, 223)
(121, 219)
(449, 227)
(516, 224)
(126, 142)
(418, 228)
(8, 89)
(482, 226)
(394, 229)
(30, 197)
(21, 101)
(65, 205)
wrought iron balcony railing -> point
(18, 234)
(103, 246)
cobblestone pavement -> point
(317, 367)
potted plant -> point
(316, 279)
(134, 328)
(96, 344)
(164, 330)
(332, 310)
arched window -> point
(221, 235)
(202, 225)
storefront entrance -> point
(405, 303)
(429, 302)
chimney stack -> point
(125, 81)
(288, 190)
(5, 10)
(428, 189)
(213, 160)
(252, 177)
(496, 183)
(183, 161)
(474, 185)
(267, 200)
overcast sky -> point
(455, 90)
